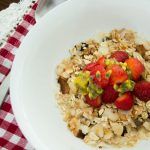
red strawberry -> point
(136, 67)
(118, 75)
(109, 95)
(89, 67)
(101, 61)
(120, 56)
(124, 102)
(142, 90)
(99, 76)
(96, 103)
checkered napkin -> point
(11, 137)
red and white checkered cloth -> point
(11, 138)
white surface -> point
(46, 5)
(33, 84)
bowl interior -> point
(33, 79)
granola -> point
(108, 123)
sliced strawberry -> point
(136, 67)
(124, 102)
(96, 103)
(120, 56)
(109, 95)
(142, 90)
(101, 61)
(118, 75)
(99, 76)
(89, 67)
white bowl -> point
(33, 83)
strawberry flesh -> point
(118, 75)
(124, 102)
(109, 95)
(101, 61)
(101, 80)
(96, 103)
(89, 67)
(142, 90)
(136, 67)
(120, 56)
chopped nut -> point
(147, 125)
(110, 114)
(137, 110)
(80, 134)
(146, 45)
(101, 111)
(93, 136)
(141, 49)
(122, 117)
(98, 130)
(138, 122)
(63, 85)
(85, 129)
(97, 120)
(104, 119)
(78, 112)
(103, 48)
(87, 113)
(108, 134)
(144, 115)
(117, 128)
(124, 131)
(74, 126)
(86, 61)
(129, 36)
(142, 132)
(148, 106)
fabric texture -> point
(11, 138)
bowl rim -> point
(25, 128)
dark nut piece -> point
(140, 49)
(124, 130)
(64, 87)
(80, 135)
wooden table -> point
(5, 3)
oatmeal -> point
(105, 89)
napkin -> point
(11, 138)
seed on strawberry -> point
(120, 56)
(142, 90)
(109, 95)
(96, 103)
(99, 76)
(125, 102)
(136, 67)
